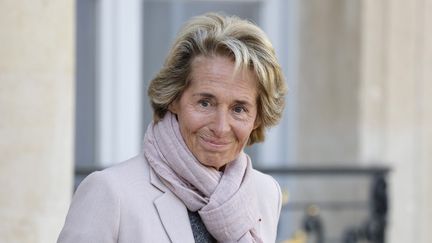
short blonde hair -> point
(213, 34)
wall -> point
(329, 47)
(365, 95)
(396, 111)
(36, 118)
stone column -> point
(328, 83)
(36, 118)
(396, 110)
(365, 95)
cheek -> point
(190, 123)
(244, 132)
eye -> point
(204, 103)
(239, 109)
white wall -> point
(396, 102)
(36, 118)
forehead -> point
(221, 70)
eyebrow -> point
(205, 95)
(211, 96)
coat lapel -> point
(172, 212)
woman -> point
(219, 89)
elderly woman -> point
(219, 89)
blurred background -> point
(353, 152)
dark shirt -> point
(200, 233)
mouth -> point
(215, 144)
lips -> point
(215, 144)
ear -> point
(173, 106)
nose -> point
(220, 125)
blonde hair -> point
(213, 34)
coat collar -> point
(172, 212)
(156, 182)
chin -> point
(217, 166)
(215, 163)
(209, 162)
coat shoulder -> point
(266, 185)
(111, 205)
(132, 169)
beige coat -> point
(128, 203)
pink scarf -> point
(225, 201)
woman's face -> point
(217, 111)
